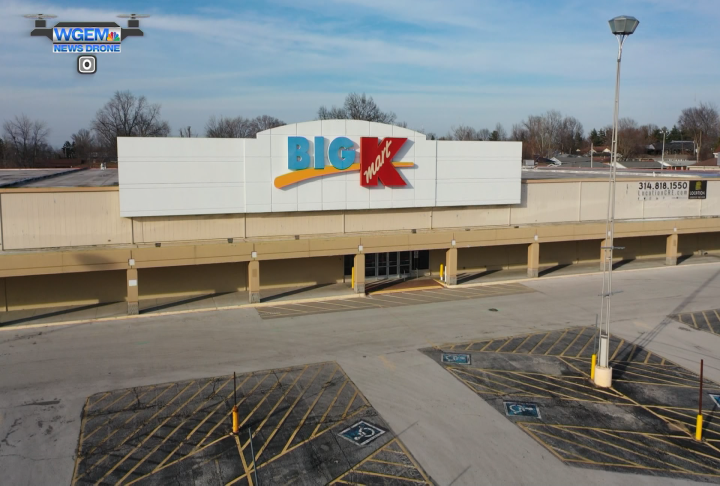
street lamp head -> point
(623, 25)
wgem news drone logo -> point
(86, 38)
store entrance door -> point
(395, 264)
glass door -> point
(405, 261)
(382, 265)
(370, 265)
(393, 264)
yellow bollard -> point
(592, 367)
(352, 279)
(442, 267)
(236, 425)
(698, 428)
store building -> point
(314, 203)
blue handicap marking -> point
(453, 358)
(362, 433)
(715, 398)
(521, 409)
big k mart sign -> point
(376, 160)
(314, 166)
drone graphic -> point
(86, 38)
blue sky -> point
(434, 63)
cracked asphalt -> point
(457, 437)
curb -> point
(323, 299)
(539, 279)
(172, 313)
(391, 291)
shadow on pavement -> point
(294, 292)
(467, 277)
(181, 302)
(550, 270)
(55, 314)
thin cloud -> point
(434, 63)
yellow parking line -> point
(524, 341)
(504, 344)
(635, 450)
(464, 292)
(622, 341)
(592, 338)
(332, 404)
(148, 454)
(312, 406)
(708, 323)
(556, 341)
(579, 444)
(100, 427)
(313, 306)
(131, 435)
(539, 343)
(94, 404)
(487, 345)
(415, 289)
(392, 303)
(192, 432)
(242, 400)
(120, 427)
(573, 342)
(661, 376)
(272, 411)
(692, 316)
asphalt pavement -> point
(457, 437)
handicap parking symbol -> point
(715, 398)
(520, 409)
(452, 358)
(362, 433)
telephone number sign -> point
(660, 190)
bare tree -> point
(265, 122)
(84, 143)
(543, 133)
(26, 141)
(357, 107)
(126, 115)
(703, 124)
(462, 132)
(187, 132)
(519, 132)
(482, 134)
(240, 127)
(333, 113)
(631, 140)
(237, 127)
(499, 134)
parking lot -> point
(395, 299)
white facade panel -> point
(472, 193)
(177, 176)
(381, 130)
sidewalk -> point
(493, 276)
(309, 293)
(48, 315)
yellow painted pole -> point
(352, 279)
(236, 422)
(698, 426)
(442, 267)
(592, 367)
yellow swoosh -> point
(305, 174)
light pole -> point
(621, 27)
(662, 161)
